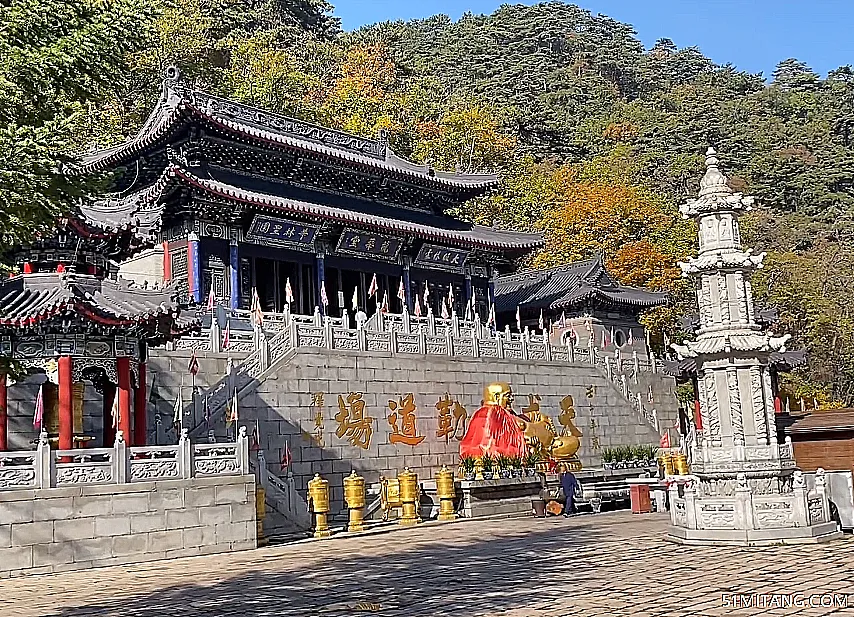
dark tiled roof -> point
(31, 300)
(567, 286)
(179, 105)
(469, 235)
(824, 422)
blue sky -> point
(754, 35)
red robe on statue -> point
(493, 430)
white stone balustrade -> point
(46, 468)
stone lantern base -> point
(788, 514)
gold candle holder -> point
(445, 492)
(354, 494)
(409, 495)
(681, 464)
(318, 492)
(260, 513)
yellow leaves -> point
(641, 264)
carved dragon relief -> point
(735, 407)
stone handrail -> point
(46, 468)
(282, 494)
(406, 334)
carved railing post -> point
(362, 337)
(262, 469)
(652, 363)
(449, 337)
(318, 319)
(327, 333)
(475, 342)
(294, 331)
(624, 385)
(499, 345)
(345, 319)
(392, 342)
(608, 369)
(801, 505)
(422, 341)
(242, 451)
(690, 505)
(45, 467)
(455, 323)
(215, 334)
(821, 491)
(507, 332)
(618, 361)
(548, 345)
(264, 351)
(570, 351)
(121, 459)
(431, 322)
(185, 456)
(407, 321)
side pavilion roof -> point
(565, 287)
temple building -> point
(62, 318)
(579, 302)
(244, 199)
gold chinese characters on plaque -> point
(353, 424)
(402, 421)
(452, 418)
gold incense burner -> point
(318, 495)
(409, 497)
(354, 494)
(446, 494)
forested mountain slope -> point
(598, 139)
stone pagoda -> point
(745, 488)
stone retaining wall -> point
(291, 417)
(75, 527)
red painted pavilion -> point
(62, 315)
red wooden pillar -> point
(139, 408)
(66, 405)
(4, 444)
(123, 392)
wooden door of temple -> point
(50, 420)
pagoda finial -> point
(714, 182)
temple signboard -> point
(282, 232)
(361, 243)
(432, 256)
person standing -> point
(568, 483)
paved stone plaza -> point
(612, 565)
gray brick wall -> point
(284, 410)
(68, 528)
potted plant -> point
(608, 458)
(652, 456)
(487, 467)
(515, 466)
(532, 458)
(635, 455)
(503, 464)
(467, 465)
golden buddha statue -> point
(494, 429)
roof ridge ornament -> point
(171, 76)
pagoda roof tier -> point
(569, 286)
(44, 301)
(728, 341)
(712, 261)
(419, 224)
(780, 360)
(180, 107)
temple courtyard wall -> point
(297, 408)
(75, 527)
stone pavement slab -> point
(608, 565)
